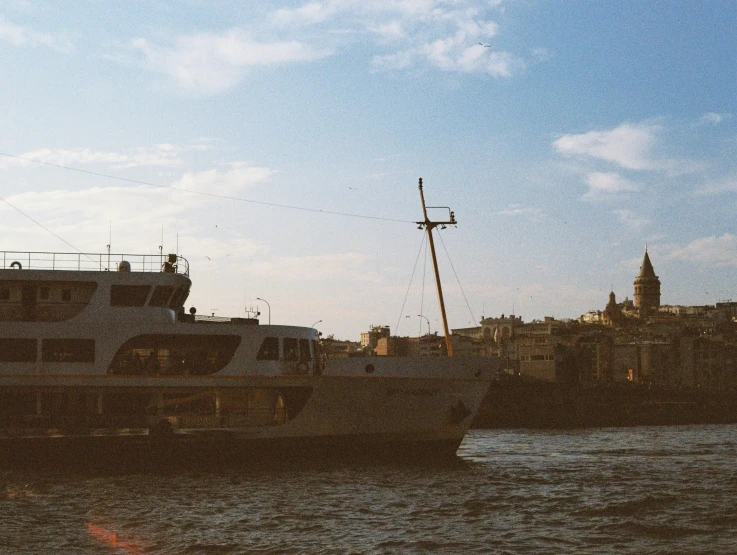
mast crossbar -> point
(429, 226)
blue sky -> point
(564, 135)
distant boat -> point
(106, 364)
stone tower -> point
(647, 287)
(612, 315)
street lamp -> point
(428, 334)
(267, 304)
(313, 325)
(428, 324)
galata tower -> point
(647, 287)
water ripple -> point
(656, 490)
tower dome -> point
(647, 287)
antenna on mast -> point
(429, 226)
(109, 242)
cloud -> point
(726, 185)
(460, 52)
(238, 177)
(161, 155)
(518, 210)
(714, 118)
(210, 63)
(627, 145)
(427, 34)
(79, 216)
(711, 251)
(630, 219)
(351, 266)
(608, 183)
(23, 36)
(309, 14)
(389, 30)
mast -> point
(429, 226)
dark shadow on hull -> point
(144, 454)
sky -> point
(278, 146)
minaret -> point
(647, 287)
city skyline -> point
(565, 137)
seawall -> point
(516, 403)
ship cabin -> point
(57, 311)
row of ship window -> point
(52, 350)
(44, 294)
(123, 295)
(154, 353)
(136, 295)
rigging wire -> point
(206, 194)
(473, 318)
(422, 295)
(43, 227)
(396, 331)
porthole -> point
(370, 368)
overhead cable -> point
(213, 195)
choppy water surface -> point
(631, 490)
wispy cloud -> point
(23, 36)
(713, 118)
(239, 176)
(608, 183)
(448, 40)
(719, 186)
(631, 220)
(455, 36)
(309, 14)
(627, 145)
(350, 266)
(161, 155)
(515, 210)
(210, 63)
(709, 251)
(79, 215)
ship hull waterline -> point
(371, 418)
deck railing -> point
(93, 262)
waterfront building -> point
(371, 338)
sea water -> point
(614, 490)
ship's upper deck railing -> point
(93, 262)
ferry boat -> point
(99, 358)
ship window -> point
(4, 293)
(68, 350)
(290, 349)
(269, 349)
(66, 295)
(17, 350)
(304, 349)
(43, 293)
(175, 355)
(161, 295)
(180, 295)
(129, 295)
